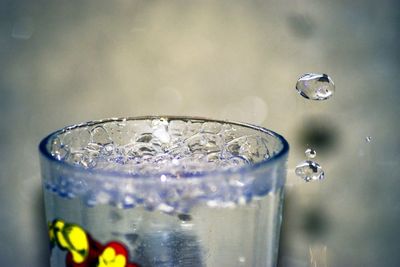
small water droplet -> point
(315, 86)
(310, 153)
(368, 139)
(310, 171)
(242, 259)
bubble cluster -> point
(152, 157)
(315, 86)
(173, 149)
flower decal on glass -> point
(83, 250)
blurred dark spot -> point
(131, 238)
(315, 222)
(115, 216)
(301, 25)
(319, 133)
(184, 217)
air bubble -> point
(145, 138)
(315, 86)
(368, 139)
(100, 136)
(108, 149)
(165, 208)
(184, 217)
(211, 127)
(128, 202)
(162, 135)
(310, 171)
(76, 158)
(58, 150)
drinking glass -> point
(163, 191)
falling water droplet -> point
(315, 86)
(310, 153)
(309, 171)
(368, 139)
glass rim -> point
(44, 151)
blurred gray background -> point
(64, 62)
